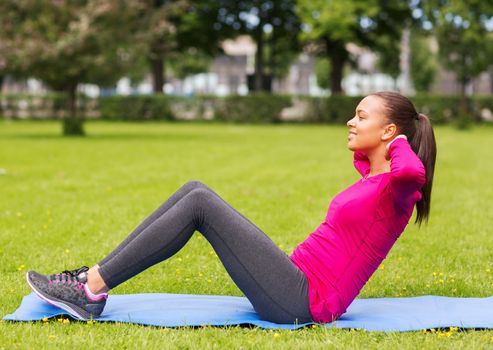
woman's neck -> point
(378, 163)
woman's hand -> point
(387, 154)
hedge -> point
(253, 108)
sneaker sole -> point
(72, 309)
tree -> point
(333, 24)
(66, 43)
(155, 26)
(273, 25)
(167, 30)
(464, 42)
(281, 50)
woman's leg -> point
(175, 197)
(96, 284)
(277, 289)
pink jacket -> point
(362, 224)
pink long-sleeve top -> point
(361, 226)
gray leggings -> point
(276, 287)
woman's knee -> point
(200, 194)
(196, 184)
(192, 184)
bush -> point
(253, 108)
(440, 109)
(148, 107)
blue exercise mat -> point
(373, 314)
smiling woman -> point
(380, 118)
(325, 272)
(364, 221)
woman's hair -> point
(419, 131)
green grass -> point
(65, 202)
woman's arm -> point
(361, 162)
(407, 172)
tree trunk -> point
(336, 74)
(158, 73)
(463, 117)
(337, 55)
(73, 122)
(259, 64)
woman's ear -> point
(389, 131)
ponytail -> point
(424, 145)
(419, 131)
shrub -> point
(135, 107)
(253, 108)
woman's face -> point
(367, 126)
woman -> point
(394, 151)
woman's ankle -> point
(95, 282)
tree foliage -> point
(463, 32)
(165, 31)
(273, 25)
(66, 43)
(461, 28)
(333, 24)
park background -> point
(107, 107)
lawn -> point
(66, 202)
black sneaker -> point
(69, 291)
